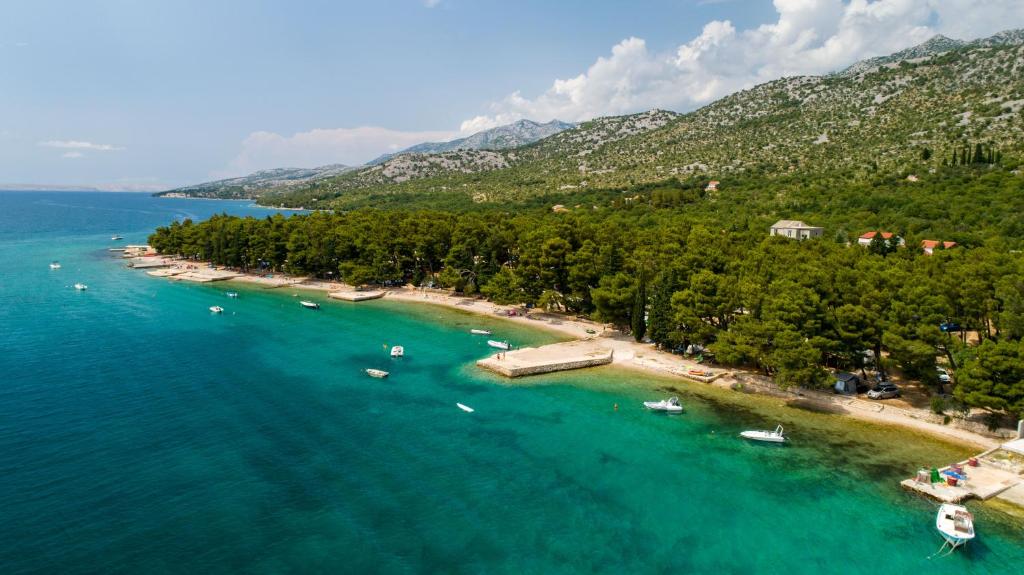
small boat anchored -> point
(764, 435)
(499, 344)
(465, 408)
(378, 373)
(116, 238)
(309, 304)
(397, 351)
(955, 524)
(54, 265)
(231, 294)
(480, 332)
(216, 309)
(670, 405)
(81, 287)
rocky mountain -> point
(512, 135)
(909, 111)
(253, 185)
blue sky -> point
(123, 94)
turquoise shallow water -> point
(141, 434)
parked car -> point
(884, 391)
(943, 374)
(949, 327)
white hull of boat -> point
(81, 287)
(397, 351)
(479, 332)
(465, 408)
(309, 304)
(670, 405)
(55, 266)
(499, 344)
(764, 435)
(955, 523)
(216, 309)
(378, 373)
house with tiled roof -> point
(866, 238)
(796, 229)
(929, 246)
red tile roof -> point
(932, 244)
(871, 235)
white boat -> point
(465, 408)
(216, 309)
(231, 294)
(763, 435)
(309, 304)
(378, 373)
(81, 287)
(499, 344)
(955, 523)
(116, 238)
(397, 351)
(54, 265)
(480, 332)
(671, 405)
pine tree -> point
(640, 309)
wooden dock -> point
(548, 358)
(355, 295)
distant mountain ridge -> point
(249, 187)
(934, 46)
(511, 135)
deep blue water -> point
(141, 434)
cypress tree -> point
(640, 308)
(979, 154)
(963, 156)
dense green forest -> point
(684, 265)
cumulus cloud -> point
(79, 145)
(808, 37)
(350, 146)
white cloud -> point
(318, 147)
(72, 155)
(808, 37)
(79, 145)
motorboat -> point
(309, 304)
(764, 435)
(378, 373)
(54, 265)
(955, 523)
(499, 344)
(465, 408)
(232, 294)
(397, 351)
(670, 405)
(81, 287)
(216, 309)
(480, 332)
(116, 238)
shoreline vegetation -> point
(628, 353)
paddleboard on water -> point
(465, 408)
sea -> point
(139, 433)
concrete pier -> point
(998, 471)
(548, 358)
(355, 295)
